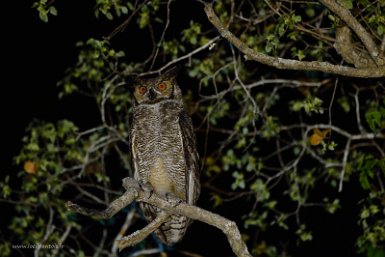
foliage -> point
(44, 8)
(278, 142)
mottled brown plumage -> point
(164, 150)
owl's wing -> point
(133, 153)
(191, 157)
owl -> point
(164, 149)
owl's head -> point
(154, 90)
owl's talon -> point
(147, 188)
(172, 200)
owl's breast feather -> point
(159, 179)
(158, 148)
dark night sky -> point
(36, 56)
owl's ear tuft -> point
(172, 73)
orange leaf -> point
(30, 167)
(315, 139)
(318, 136)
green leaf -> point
(380, 30)
(303, 234)
(53, 11)
(344, 103)
(332, 207)
(217, 199)
(130, 6)
(297, 18)
(373, 118)
(144, 19)
(43, 16)
(124, 9)
(310, 12)
(300, 55)
(109, 16)
(6, 191)
(239, 181)
(375, 252)
(5, 249)
(348, 4)
(260, 190)
(365, 213)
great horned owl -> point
(163, 149)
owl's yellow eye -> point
(142, 90)
(162, 86)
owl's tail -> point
(172, 230)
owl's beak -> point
(151, 94)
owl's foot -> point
(130, 183)
(172, 200)
(147, 188)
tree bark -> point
(282, 63)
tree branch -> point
(140, 235)
(123, 26)
(135, 192)
(352, 22)
(112, 209)
(282, 63)
(345, 47)
(208, 45)
(123, 230)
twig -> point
(61, 240)
(122, 26)
(145, 252)
(88, 194)
(331, 101)
(344, 162)
(282, 63)
(237, 78)
(169, 64)
(135, 192)
(123, 230)
(358, 116)
(262, 82)
(50, 228)
(163, 34)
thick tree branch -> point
(140, 235)
(352, 22)
(282, 63)
(135, 192)
(112, 209)
(345, 47)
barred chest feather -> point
(159, 148)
